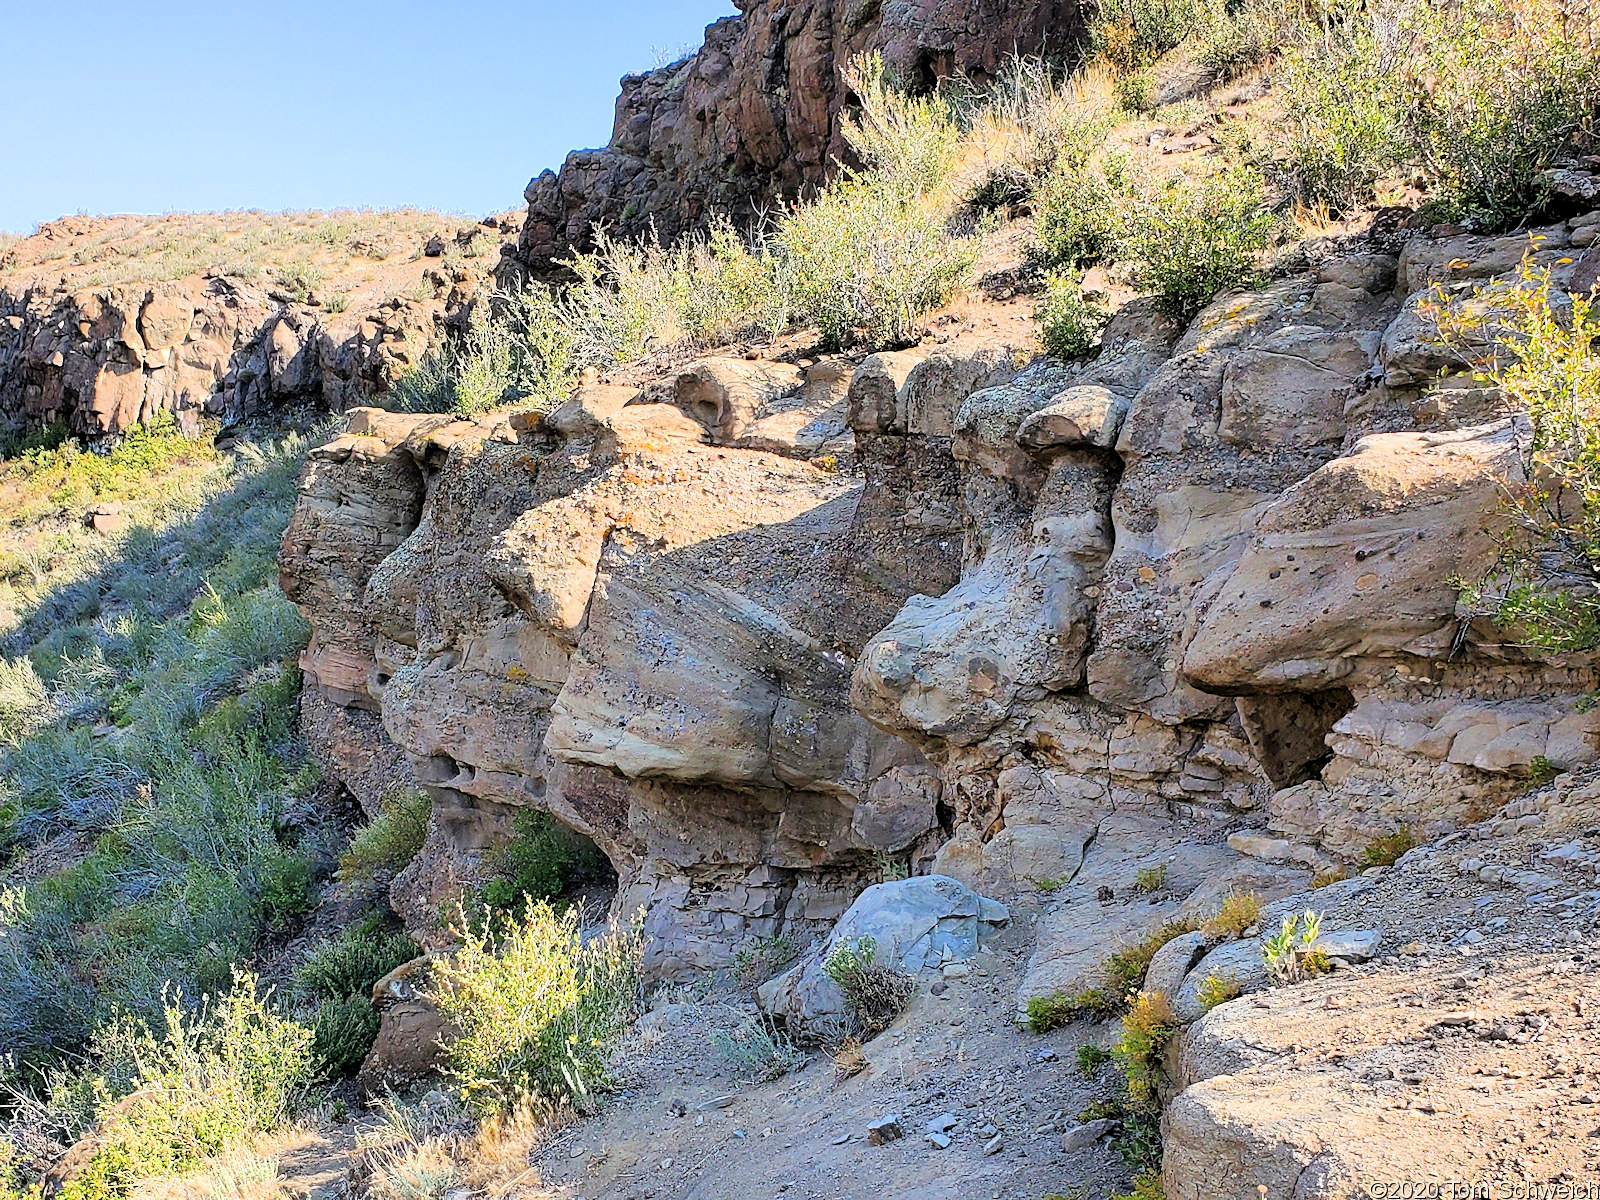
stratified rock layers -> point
(1023, 623)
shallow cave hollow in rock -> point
(1288, 731)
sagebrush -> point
(537, 1006)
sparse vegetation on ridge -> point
(246, 244)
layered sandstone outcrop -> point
(1026, 623)
(225, 341)
(753, 116)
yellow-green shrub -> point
(1190, 241)
(537, 1006)
(1125, 967)
(391, 839)
(1217, 989)
(211, 1081)
(1544, 356)
(865, 259)
(1147, 1026)
(1237, 912)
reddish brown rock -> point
(754, 114)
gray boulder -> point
(1172, 963)
(915, 924)
(1240, 961)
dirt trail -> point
(805, 1135)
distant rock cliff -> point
(107, 321)
(753, 116)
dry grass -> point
(849, 1060)
(421, 1152)
(247, 1173)
(1238, 912)
(103, 251)
(1017, 132)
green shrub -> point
(1146, 1186)
(350, 965)
(1237, 912)
(877, 992)
(542, 860)
(1150, 879)
(1076, 220)
(391, 839)
(1493, 91)
(1541, 349)
(1102, 1110)
(1052, 1012)
(1386, 850)
(1541, 771)
(763, 958)
(520, 343)
(178, 633)
(1138, 1140)
(1343, 117)
(759, 1050)
(1475, 96)
(1130, 35)
(340, 974)
(1218, 989)
(1091, 1058)
(1125, 967)
(343, 1031)
(911, 140)
(537, 1007)
(211, 1081)
(704, 290)
(1233, 38)
(1136, 90)
(1069, 325)
(1192, 241)
(1031, 121)
(286, 889)
(864, 260)
(24, 701)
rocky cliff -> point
(753, 117)
(106, 322)
(760, 628)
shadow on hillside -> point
(229, 541)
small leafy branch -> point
(1291, 954)
(1540, 347)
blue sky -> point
(173, 105)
